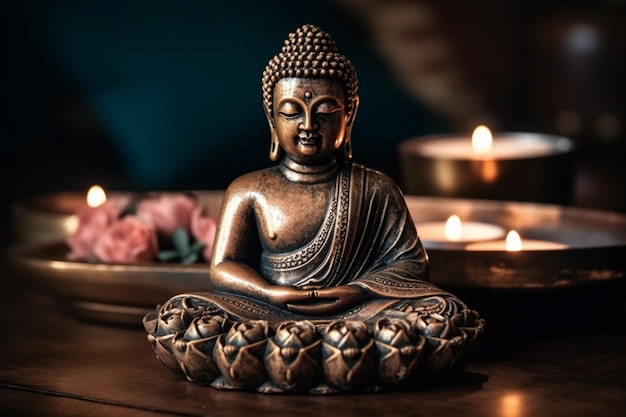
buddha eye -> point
(327, 109)
(289, 110)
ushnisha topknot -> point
(309, 52)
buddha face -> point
(310, 118)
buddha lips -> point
(308, 138)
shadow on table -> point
(518, 317)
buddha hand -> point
(283, 296)
(330, 300)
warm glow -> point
(513, 241)
(482, 139)
(452, 230)
(511, 405)
(489, 170)
(96, 196)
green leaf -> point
(180, 238)
(190, 258)
(197, 247)
(168, 255)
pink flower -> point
(129, 240)
(91, 223)
(203, 228)
(167, 212)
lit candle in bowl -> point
(505, 166)
(454, 233)
(560, 246)
(514, 243)
(52, 217)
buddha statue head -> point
(310, 99)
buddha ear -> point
(354, 107)
(347, 140)
(274, 144)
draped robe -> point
(367, 239)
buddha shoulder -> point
(254, 182)
(380, 181)
(251, 189)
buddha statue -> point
(316, 257)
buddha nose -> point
(308, 124)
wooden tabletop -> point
(53, 364)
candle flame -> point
(482, 140)
(513, 241)
(452, 229)
(96, 196)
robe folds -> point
(368, 239)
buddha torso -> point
(291, 215)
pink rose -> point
(167, 212)
(127, 241)
(91, 223)
(203, 228)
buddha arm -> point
(234, 255)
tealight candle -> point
(52, 217)
(483, 147)
(505, 166)
(592, 243)
(454, 233)
(514, 243)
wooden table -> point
(56, 365)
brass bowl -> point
(46, 218)
(596, 243)
(112, 293)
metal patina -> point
(320, 282)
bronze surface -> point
(320, 242)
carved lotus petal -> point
(443, 354)
(195, 358)
(244, 333)
(394, 331)
(465, 317)
(289, 353)
(207, 326)
(470, 322)
(239, 354)
(349, 355)
(163, 349)
(445, 344)
(170, 322)
(296, 334)
(150, 322)
(299, 372)
(399, 350)
(347, 334)
(435, 325)
(352, 353)
(192, 307)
